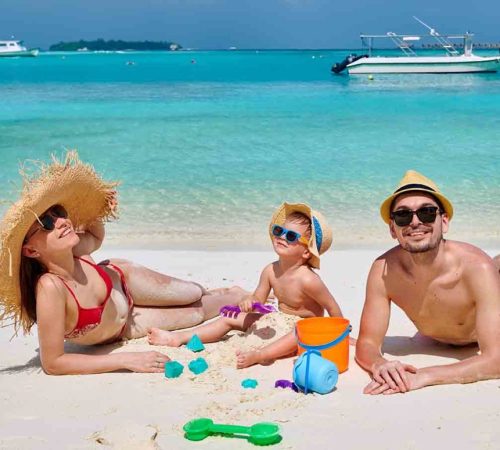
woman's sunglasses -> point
(47, 221)
(426, 214)
(290, 235)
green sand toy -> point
(173, 369)
(195, 344)
(263, 433)
(198, 366)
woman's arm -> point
(90, 239)
(51, 313)
(91, 236)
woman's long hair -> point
(30, 273)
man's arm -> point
(374, 324)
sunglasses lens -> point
(47, 222)
(427, 214)
(277, 230)
(402, 217)
(292, 236)
(58, 211)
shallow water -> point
(207, 144)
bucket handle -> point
(328, 344)
(315, 349)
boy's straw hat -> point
(414, 181)
(321, 233)
(69, 183)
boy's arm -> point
(262, 291)
(317, 290)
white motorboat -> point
(452, 61)
(15, 48)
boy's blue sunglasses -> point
(290, 235)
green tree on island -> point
(112, 45)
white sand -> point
(144, 411)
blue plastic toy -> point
(195, 344)
(249, 383)
(312, 372)
(173, 369)
(198, 366)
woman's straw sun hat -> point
(321, 233)
(414, 181)
(69, 183)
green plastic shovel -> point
(263, 433)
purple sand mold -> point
(286, 384)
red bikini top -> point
(89, 318)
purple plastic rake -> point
(233, 310)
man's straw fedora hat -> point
(321, 233)
(414, 181)
(69, 183)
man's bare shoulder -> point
(473, 260)
(390, 257)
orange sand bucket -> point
(329, 335)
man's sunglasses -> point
(47, 221)
(426, 214)
(290, 235)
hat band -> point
(414, 186)
(318, 233)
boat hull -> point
(450, 64)
(21, 53)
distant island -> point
(102, 45)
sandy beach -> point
(147, 411)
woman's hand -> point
(146, 362)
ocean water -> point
(207, 144)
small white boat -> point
(409, 62)
(15, 48)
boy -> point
(299, 236)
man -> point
(450, 290)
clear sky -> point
(209, 24)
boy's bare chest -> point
(288, 290)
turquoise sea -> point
(207, 144)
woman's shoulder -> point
(51, 286)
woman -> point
(48, 276)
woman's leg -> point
(150, 288)
(210, 332)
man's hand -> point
(393, 375)
(415, 380)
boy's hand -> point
(246, 304)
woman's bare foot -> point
(247, 359)
(162, 337)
